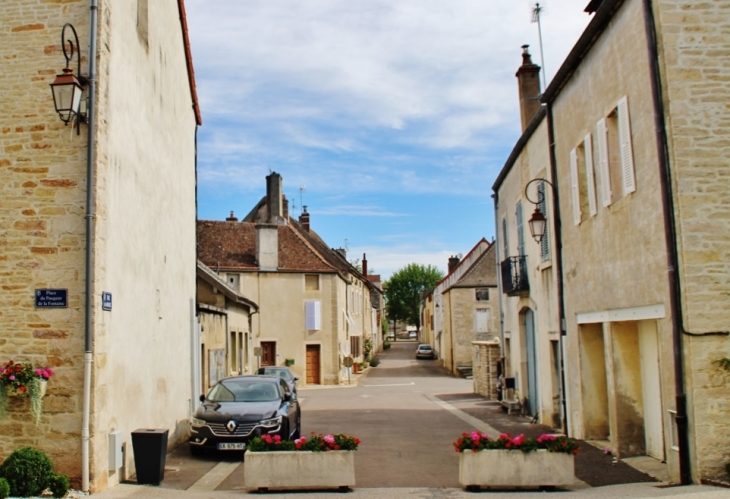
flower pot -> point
(298, 469)
(514, 468)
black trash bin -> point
(150, 451)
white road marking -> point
(395, 384)
(214, 477)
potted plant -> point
(22, 380)
(319, 461)
(546, 461)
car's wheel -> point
(196, 451)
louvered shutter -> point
(602, 143)
(575, 185)
(505, 242)
(627, 155)
(542, 206)
(520, 229)
(313, 312)
(590, 181)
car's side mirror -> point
(287, 396)
(202, 398)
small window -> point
(313, 312)
(482, 294)
(311, 282)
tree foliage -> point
(403, 291)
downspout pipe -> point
(670, 237)
(495, 197)
(90, 215)
(557, 230)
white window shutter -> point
(481, 320)
(588, 148)
(627, 154)
(575, 184)
(602, 143)
(313, 314)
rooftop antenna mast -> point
(537, 11)
(301, 203)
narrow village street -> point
(407, 413)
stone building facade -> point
(142, 236)
(637, 155)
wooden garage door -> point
(313, 364)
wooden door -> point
(268, 353)
(313, 364)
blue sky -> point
(388, 119)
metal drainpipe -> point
(558, 262)
(670, 236)
(90, 215)
(495, 196)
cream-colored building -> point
(470, 310)
(315, 308)
(132, 239)
(639, 127)
(225, 342)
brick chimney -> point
(274, 198)
(232, 218)
(528, 81)
(364, 265)
(453, 262)
(304, 219)
(285, 203)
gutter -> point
(90, 215)
(557, 230)
(670, 236)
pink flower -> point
(475, 437)
(504, 436)
(329, 439)
(12, 378)
(485, 436)
(518, 440)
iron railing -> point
(514, 275)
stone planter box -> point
(514, 468)
(299, 469)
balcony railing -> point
(514, 276)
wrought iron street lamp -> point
(68, 87)
(537, 222)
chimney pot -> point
(528, 82)
(304, 219)
(364, 265)
(232, 218)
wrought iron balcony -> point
(514, 276)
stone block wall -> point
(694, 42)
(485, 362)
(42, 202)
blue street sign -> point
(51, 298)
(106, 300)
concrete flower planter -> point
(299, 469)
(514, 468)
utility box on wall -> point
(116, 456)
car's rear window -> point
(284, 374)
(243, 391)
(424, 347)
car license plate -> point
(232, 446)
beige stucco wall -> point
(532, 163)
(145, 229)
(694, 45)
(144, 242)
(281, 318)
(616, 259)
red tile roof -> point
(232, 246)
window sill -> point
(545, 265)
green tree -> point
(403, 291)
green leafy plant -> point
(59, 485)
(28, 471)
(368, 348)
(24, 381)
(476, 442)
(374, 362)
(4, 489)
(267, 443)
(289, 362)
(386, 345)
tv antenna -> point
(301, 202)
(537, 11)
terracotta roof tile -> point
(232, 246)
